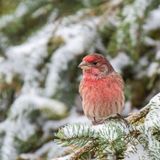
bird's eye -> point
(95, 63)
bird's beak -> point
(83, 65)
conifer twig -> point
(135, 117)
(78, 152)
(82, 150)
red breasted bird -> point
(101, 88)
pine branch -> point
(138, 116)
(117, 137)
(78, 152)
(135, 117)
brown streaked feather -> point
(112, 103)
(101, 89)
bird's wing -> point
(119, 79)
(80, 89)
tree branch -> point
(78, 152)
(132, 119)
(136, 117)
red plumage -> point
(101, 88)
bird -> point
(101, 89)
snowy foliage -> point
(20, 127)
(117, 138)
(78, 37)
(41, 45)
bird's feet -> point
(118, 117)
(96, 122)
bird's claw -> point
(118, 117)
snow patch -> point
(78, 38)
(153, 68)
(120, 61)
(153, 22)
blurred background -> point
(41, 45)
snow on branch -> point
(137, 136)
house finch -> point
(101, 89)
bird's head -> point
(95, 65)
